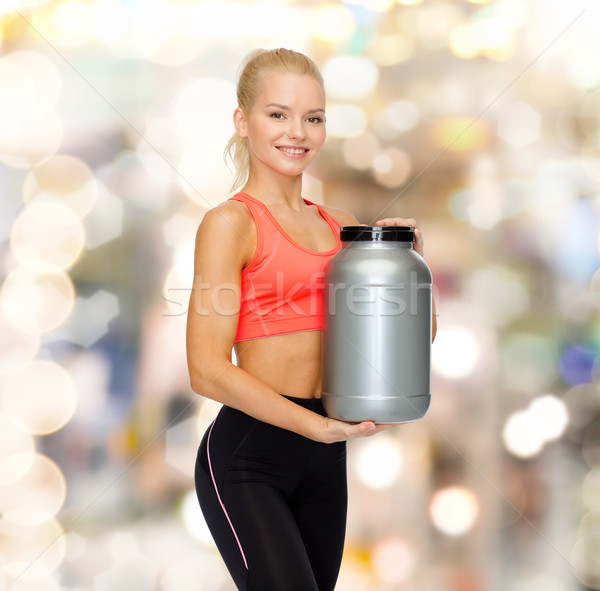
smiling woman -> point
(271, 469)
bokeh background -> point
(479, 118)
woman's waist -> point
(290, 364)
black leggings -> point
(275, 502)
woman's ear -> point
(239, 121)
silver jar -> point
(377, 333)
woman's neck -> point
(281, 189)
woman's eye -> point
(277, 115)
(315, 120)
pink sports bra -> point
(282, 286)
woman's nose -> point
(296, 128)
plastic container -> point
(377, 332)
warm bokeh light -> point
(16, 347)
(36, 303)
(360, 151)
(16, 445)
(66, 23)
(394, 560)
(590, 491)
(391, 167)
(31, 552)
(519, 125)
(41, 395)
(461, 134)
(399, 117)
(349, 77)
(456, 352)
(37, 495)
(379, 462)
(391, 49)
(454, 510)
(333, 22)
(47, 237)
(193, 519)
(344, 120)
(522, 435)
(65, 179)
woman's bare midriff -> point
(288, 363)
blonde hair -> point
(255, 66)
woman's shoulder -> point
(227, 229)
(342, 216)
(230, 214)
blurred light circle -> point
(359, 151)
(589, 117)
(392, 167)
(44, 76)
(454, 510)
(36, 138)
(17, 348)
(17, 92)
(522, 435)
(44, 583)
(584, 560)
(394, 560)
(378, 5)
(346, 121)
(350, 77)
(577, 364)
(31, 552)
(194, 521)
(41, 395)
(461, 134)
(528, 362)
(551, 414)
(581, 320)
(333, 22)
(203, 175)
(590, 491)
(206, 415)
(583, 404)
(162, 33)
(36, 303)
(537, 581)
(392, 49)
(65, 179)
(591, 445)
(38, 495)
(47, 237)
(66, 23)
(203, 108)
(519, 125)
(379, 462)
(499, 290)
(457, 351)
(16, 445)
(400, 116)
(177, 287)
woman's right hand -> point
(334, 430)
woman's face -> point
(286, 126)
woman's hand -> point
(418, 244)
(334, 430)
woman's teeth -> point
(293, 150)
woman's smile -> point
(292, 152)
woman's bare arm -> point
(223, 246)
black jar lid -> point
(377, 233)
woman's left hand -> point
(418, 244)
